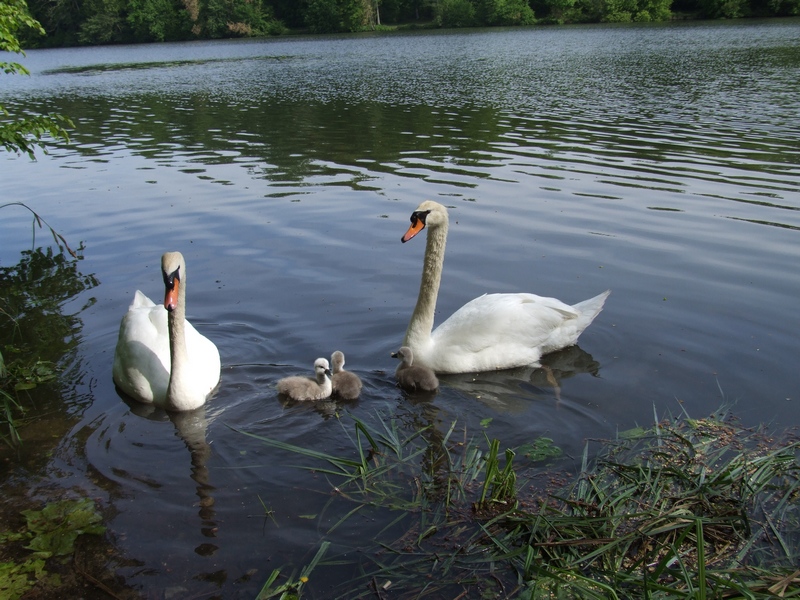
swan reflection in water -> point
(326, 408)
(506, 390)
(509, 389)
(191, 427)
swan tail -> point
(589, 309)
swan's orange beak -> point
(171, 296)
(417, 225)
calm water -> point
(661, 162)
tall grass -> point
(686, 509)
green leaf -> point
(57, 526)
(541, 449)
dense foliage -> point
(71, 22)
(23, 132)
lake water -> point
(661, 162)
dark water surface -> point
(662, 162)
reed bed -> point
(688, 508)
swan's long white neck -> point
(418, 334)
(179, 385)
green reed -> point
(687, 509)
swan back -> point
(304, 388)
(411, 377)
(346, 385)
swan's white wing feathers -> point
(142, 357)
(203, 353)
(142, 360)
(141, 301)
(498, 331)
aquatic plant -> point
(685, 509)
(49, 533)
(292, 588)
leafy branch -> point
(38, 220)
(24, 133)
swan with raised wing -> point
(493, 331)
(160, 357)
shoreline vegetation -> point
(688, 508)
(96, 22)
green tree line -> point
(81, 22)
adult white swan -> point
(493, 331)
(160, 358)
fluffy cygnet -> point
(306, 388)
(346, 385)
(411, 377)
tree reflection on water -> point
(37, 339)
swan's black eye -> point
(169, 280)
(419, 215)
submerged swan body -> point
(305, 388)
(493, 331)
(346, 385)
(160, 358)
(411, 377)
